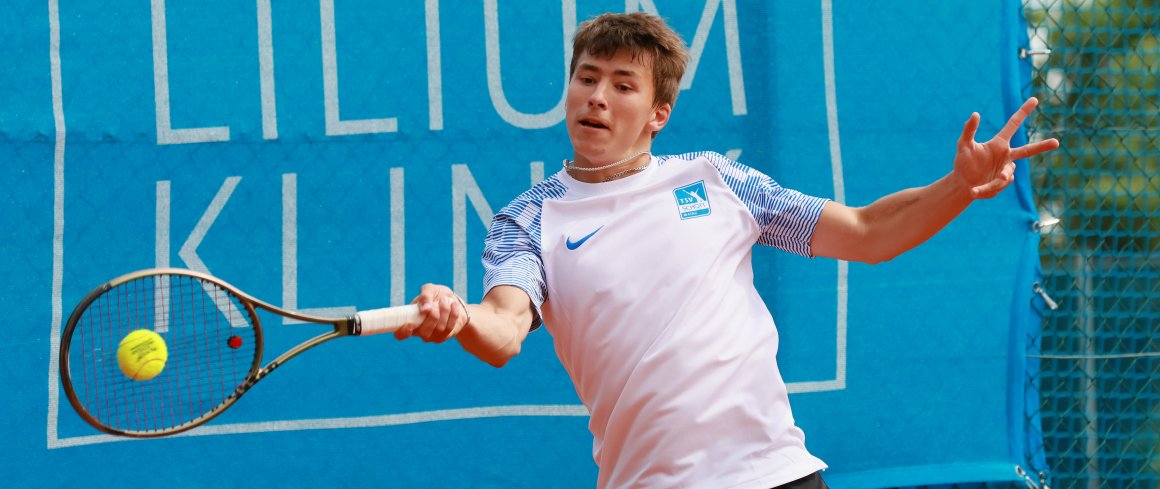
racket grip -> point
(386, 320)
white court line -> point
(357, 422)
(57, 220)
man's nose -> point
(597, 98)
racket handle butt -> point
(386, 320)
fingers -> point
(428, 295)
(442, 312)
(1034, 149)
(438, 328)
(1008, 172)
(989, 189)
(969, 129)
(451, 321)
(431, 304)
(1017, 119)
(1001, 181)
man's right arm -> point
(498, 325)
(496, 328)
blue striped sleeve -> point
(511, 250)
(787, 218)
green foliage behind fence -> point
(1100, 84)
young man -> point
(640, 267)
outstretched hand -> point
(987, 168)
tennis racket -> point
(214, 343)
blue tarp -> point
(337, 155)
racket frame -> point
(345, 326)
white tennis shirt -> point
(646, 285)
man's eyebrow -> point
(617, 72)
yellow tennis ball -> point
(142, 354)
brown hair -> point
(644, 37)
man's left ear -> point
(660, 117)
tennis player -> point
(640, 267)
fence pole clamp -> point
(1042, 224)
(1038, 289)
(1025, 53)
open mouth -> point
(593, 123)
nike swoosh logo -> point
(576, 244)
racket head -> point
(214, 342)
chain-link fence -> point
(1096, 67)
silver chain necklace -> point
(568, 165)
(614, 176)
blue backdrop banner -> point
(331, 156)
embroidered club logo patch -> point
(692, 200)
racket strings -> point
(212, 347)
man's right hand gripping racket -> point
(158, 352)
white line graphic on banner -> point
(839, 381)
(467, 193)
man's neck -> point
(589, 172)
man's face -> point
(609, 108)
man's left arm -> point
(900, 221)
